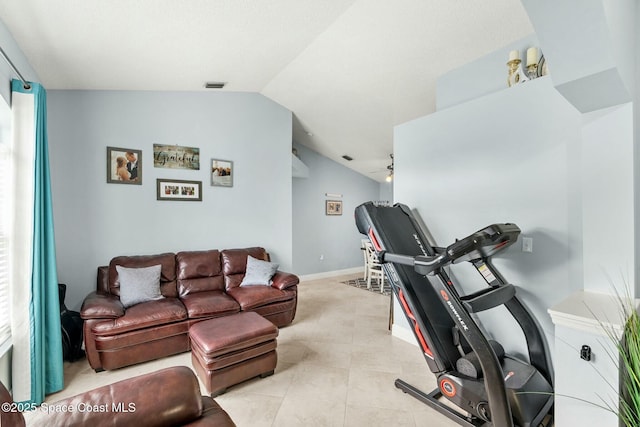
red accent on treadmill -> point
(423, 342)
(499, 245)
(374, 241)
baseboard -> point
(404, 334)
(328, 274)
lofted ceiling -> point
(349, 70)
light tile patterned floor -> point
(337, 364)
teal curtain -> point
(47, 374)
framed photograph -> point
(124, 166)
(176, 189)
(333, 207)
(221, 173)
(176, 157)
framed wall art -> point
(333, 207)
(177, 189)
(176, 157)
(124, 166)
(221, 173)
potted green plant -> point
(628, 357)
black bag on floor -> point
(71, 324)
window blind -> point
(6, 193)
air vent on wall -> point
(347, 158)
(214, 85)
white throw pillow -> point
(139, 284)
(259, 272)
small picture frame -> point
(176, 189)
(221, 173)
(124, 166)
(333, 207)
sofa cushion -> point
(144, 315)
(209, 304)
(167, 273)
(139, 284)
(250, 297)
(259, 272)
(199, 271)
(231, 334)
(234, 263)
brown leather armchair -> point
(169, 397)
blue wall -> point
(95, 221)
(315, 234)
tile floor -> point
(337, 363)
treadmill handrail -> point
(423, 264)
(481, 300)
(488, 298)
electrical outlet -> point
(527, 244)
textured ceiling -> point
(348, 69)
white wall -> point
(569, 180)
(95, 221)
(20, 61)
(507, 157)
(608, 201)
(386, 192)
(315, 234)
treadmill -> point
(487, 386)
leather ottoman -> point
(229, 350)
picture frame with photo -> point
(124, 166)
(178, 189)
(221, 173)
(333, 207)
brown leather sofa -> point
(196, 285)
(169, 397)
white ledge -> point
(591, 312)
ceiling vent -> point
(347, 158)
(214, 85)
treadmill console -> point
(483, 243)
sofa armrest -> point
(168, 397)
(212, 415)
(101, 306)
(282, 280)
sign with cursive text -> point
(176, 157)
